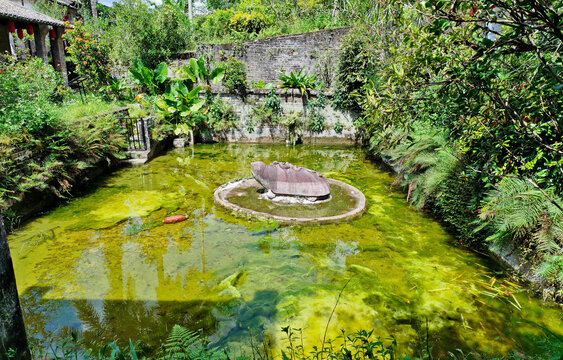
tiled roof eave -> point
(16, 12)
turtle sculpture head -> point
(285, 179)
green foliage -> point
(235, 80)
(117, 90)
(316, 122)
(51, 9)
(186, 344)
(138, 30)
(361, 345)
(268, 113)
(468, 105)
(27, 88)
(181, 103)
(44, 145)
(338, 127)
(249, 23)
(272, 102)
(90, 54)
(519, 211)
(316, 119)
(301, 81)
(197, 71)
(293, 124)
(149, 79)
(357, 64)
(249, 19)
(53, 159)
(220, 116)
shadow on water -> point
(103, 321)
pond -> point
(105, 264)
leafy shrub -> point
(268, 113)
(491, 103)
(216, 24)
(55, 158)
(220, 116)
(520, 212)
(138, 30)
(149, 79)
(272, 102)
(293, 124)
(316, 119)
(248, 23)
(27, 88)
(90, 54)
(357, 64)
(316, 122)
(235, 77)
(301, 81)
(338, 127)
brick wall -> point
(265, 57)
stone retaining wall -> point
(290, 101)
(265, 57)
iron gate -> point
(136, 133)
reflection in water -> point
(106, 265)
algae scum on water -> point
(106, 265)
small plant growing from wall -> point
(338, 127)
(293, 125)
(268, 113)
(301, 81)
(315, 118)
(235, 80)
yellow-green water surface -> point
(105, 264)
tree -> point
(94, 7)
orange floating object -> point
(174, 219)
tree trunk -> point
(191, 10)
(94, 8)
(13, 339)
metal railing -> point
(136, 132)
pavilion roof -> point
(16, 12)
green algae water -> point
(104, 264)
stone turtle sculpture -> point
(285, 179)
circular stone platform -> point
(243, 196)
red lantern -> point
(52, 34)
(20, 34)
(29, 29)
(11, 26)
(66, 18)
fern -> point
(186, 344)
(517, 210)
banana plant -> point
(196, 72)
(178, 104)
(148, 78)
